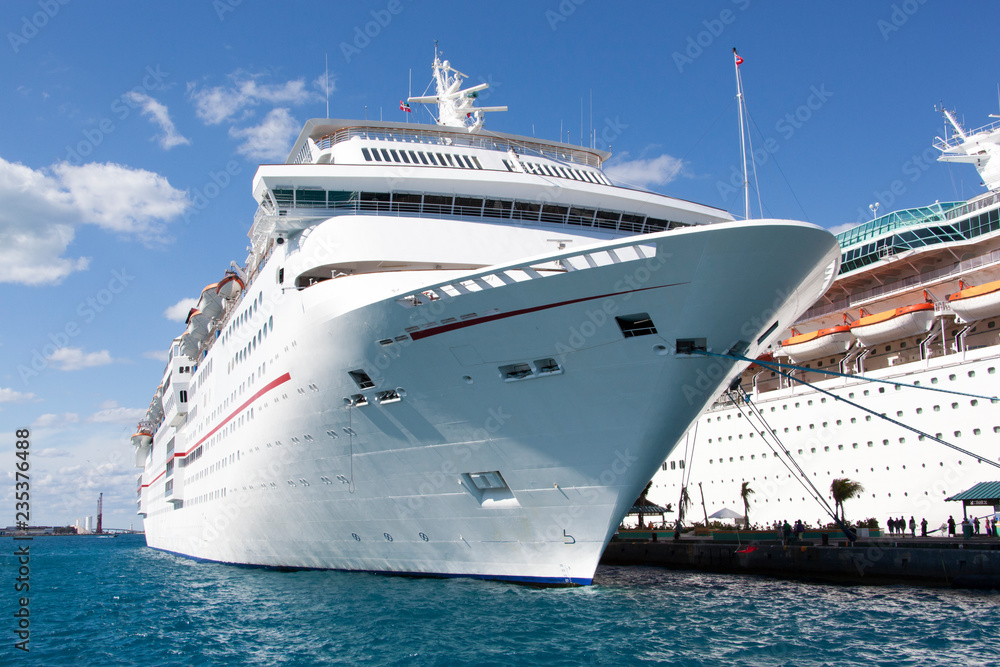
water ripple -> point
(115, 602)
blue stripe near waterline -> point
(533, 581)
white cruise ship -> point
(452, 352)
(916, 302)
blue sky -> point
(131, 132)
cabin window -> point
(361, 378)
(639, 324)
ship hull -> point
(556, 385)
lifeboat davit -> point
(823, 343)
(894, 324)
(976, 303)
(210, 303)
(230, 286)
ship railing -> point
(956, 140)
(903, 285)
(433, 137)
(972, 206)
(541, 267)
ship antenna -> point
(326, 84)
(743, 147)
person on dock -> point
(891, 525)
(786, 532)
(975, 525)
(923, 527)
(951, 526)
(913, 527)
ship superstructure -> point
(451, 352)
(916, 302)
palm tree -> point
(843, 489)
(642, 501)
(745, 493)
(682, 506)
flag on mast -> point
(405, 106)
(739, 61)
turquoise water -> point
(115, 602)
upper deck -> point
(320, 135)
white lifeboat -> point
(210, 303)
(823, 343)
(894, 324)
(189, 346)
(197, 323)
(976, 303)
(230, 286)
(143, 436)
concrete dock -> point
(937, 561)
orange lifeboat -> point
(143, 437)
(894, 324)
(823, 343)
(230, 286)
(210, 302)
(976, 303)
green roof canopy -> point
(983, 492)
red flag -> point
(405, 106)
(739, 61)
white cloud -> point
(117, 415)
(232, 103)
(74, 359)
(269, 141)
(179, 311)
(836, 229)
(48, 420)
(122, 199)
(644, 173)
(322, 81)
(52, 453)
(43, 207)
(157, 355)
(11, 396)
(157, 113)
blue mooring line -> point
(981, 459)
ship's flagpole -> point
(743, 146)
